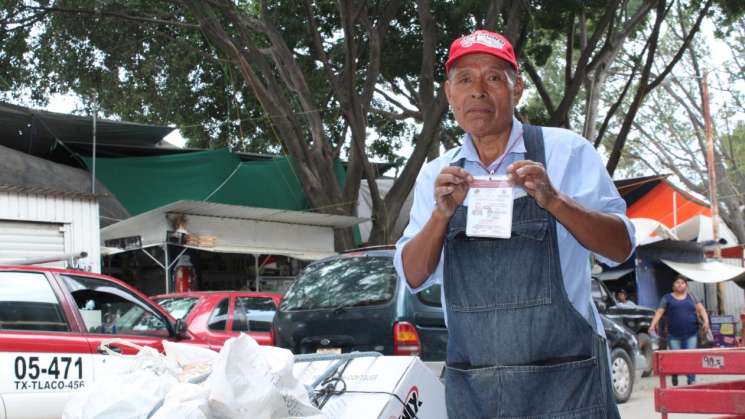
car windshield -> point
(135, 318)
(345, 281)
(179, 307)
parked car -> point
(625, 358)
(216, 316)
(52, 325)
(636, 318)
(356, 302)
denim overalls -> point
(517, 348)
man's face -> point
(481, 95)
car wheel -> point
(645, 344)
(622, 375)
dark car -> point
(636, 318)
(626, 358)
(356, 302)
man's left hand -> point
(532, 177)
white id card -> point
(490, 207)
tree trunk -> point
(402, 186)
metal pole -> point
(167, 269)
(708, 127)
(95, 114)
(48, 259)
(256, 270)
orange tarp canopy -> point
(668, 205)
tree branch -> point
(538, 82)
(395, 102)
(417, 116)
(617, 104)
(569, 56)
(695, 120)
(114, 14)
(559, 116)
(318, 46)
(342, 141)
(411, 94)
(615, 154)
(694, 30)
(492, 14)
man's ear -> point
(448, 86)
(519, 86)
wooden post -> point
(709, 129)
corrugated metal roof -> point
(211, 209)
(294, 253)
(24, 173)
(238, 229)
(47, 191)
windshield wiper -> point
(342, 307)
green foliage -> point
(734, 143)
(170, 74)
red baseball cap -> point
(482, 41)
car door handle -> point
(102, 349)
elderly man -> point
(525, 339)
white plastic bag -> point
(244, 380)
(135, 393)
(252, 381)
(185, 401)
(193, 363)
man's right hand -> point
(451, 188)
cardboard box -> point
(372, 382)
(723, 330)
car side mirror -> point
(181, 329)
(602, 306)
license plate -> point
(43, 372)
(328, 350)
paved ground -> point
(641, 403)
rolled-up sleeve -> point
(598, 192)
(421, 210)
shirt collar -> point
(468, 149)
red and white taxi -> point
(52, 323)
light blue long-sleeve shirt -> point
(574, 168)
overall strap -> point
(461, 162)
(533, 139)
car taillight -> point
(273, 335)
(406, 339)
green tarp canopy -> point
(145, 183)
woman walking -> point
(682, 311)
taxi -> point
(216, 316)
(52, 326)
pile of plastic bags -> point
(243, 380)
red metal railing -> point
(711, 398)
